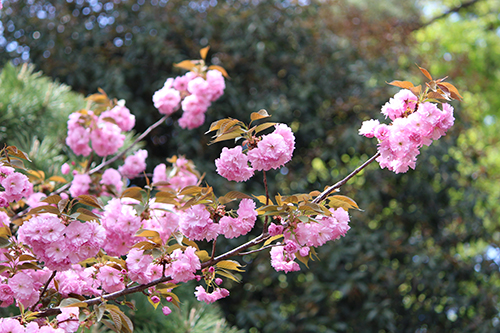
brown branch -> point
(142, 287)
(448, 12)
(332, 188)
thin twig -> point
(108, 162)
(332, 188)
(44, 289)
(258, 250)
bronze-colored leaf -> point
(416, 90)
(13, 151)
(147, 233)
(302, 259)
(262, 127)
(230, 264)
(57, 179)
(425, 72)
(5, 232)
(237, 195)
(204, 52)
(133, 192)
(259, 115)
(220, 69)
(341, 201)
(53, 199)
(401, 84)
(215, 126)
(61, 205)
(186, 64)
(190, 243)
(270, 240)
(4, 242)
(191, 190)
(25, 257)
(228, 275)
(203, 255)
(89, 200)
(228, 136)
(44, 209)
(88, 213)
(452, 89)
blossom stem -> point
(44, 289)
(332, 188)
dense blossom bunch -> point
(148, 239)
(60, 245)
(15, 185)
(193, 92)
(182, 174)
(414, 125)
(103, 131)
(271, 151)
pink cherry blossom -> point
(233, 165)
(134, 164)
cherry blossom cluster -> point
(15, 185)
(271, 151)
(181, 174)
(104, 131)
(300, 236)
(193, 92)
(413, 125)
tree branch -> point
(332, 188)
(448, 12)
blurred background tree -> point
(423, 255)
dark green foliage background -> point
(414, 259)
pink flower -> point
(68, 319)
(191, 120)
(15, 185)
(202, 295)
(134, 164)
(199, 87)
(78, 140)
(195, 223)
(80, 185)
(9, 325)
(184, 264)
(112, 178)
(166, 310)
(155, 299)
(160, 173)
(106, 138)
(233, 164)
(282, 262)
(6, 295)
(111, 279)
(65, 169)
(368, 128)
(274, 150)
(167, 100)
(122, 117)
(235, 227)
(216, 84)
(195, 104)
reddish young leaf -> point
(401, 84)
